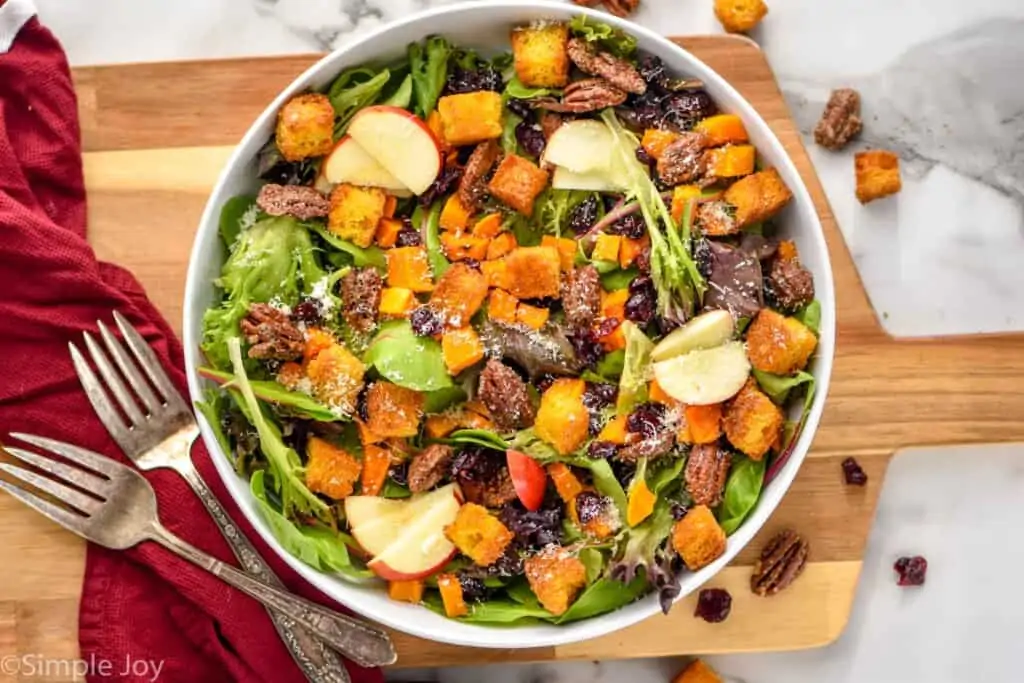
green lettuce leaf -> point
(616, 278)
(362, 257)
(408, 360)
(515, 89)
(403, 96)
(476, 437)
(810, 315)
(431, 238)
(605, 37)
(294, 402)
(428, 63)
(636, 368)
(556, 206)
(603, 596)
(352, 90)
(509, 142)
(593, 561)
(236, 213)
(742, 489)
(778, 387)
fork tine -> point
(100, 401)
(86, 458)
(65, 494)
(83, 479)
(67, 519)
(114, 383)
(149, 362)
(128, 369)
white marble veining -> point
(941, 84)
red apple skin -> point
(389, 110)
(529, 479)
(387, 573)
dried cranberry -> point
(713, 605)
(307, 312)
(534, 529)
(471, 262)
(910, 571)
(399, 473)
(599, 395)
(678, 511)
(648, 419)
(702, 256)
(587, 345)
(631, 225)
(408, 237)
(520, 108)
(853, 473)
(652, 69)
(648, 110)
(683, 109)
(590, 506)
(473, 588)
(644, 157)
(642, 299)
(361, 407)
(473, 80)
(478, 464)
(541, 302)
(426, 322)
(544, 381)
(624, 471)
(584, 215)
(530, 138)
(601, 450)
(643, 260)
(442, 185)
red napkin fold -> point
(144, 605)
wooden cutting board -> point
(155, 138)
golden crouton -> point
(392, 410)
(752, 199)
(469, 118)
(697, 672)
(331, 470)
(517, 182)
(336, 377)
(541, 55)
(305, 127)
(355, 213)
(778, 344)
(532, 272)
(459, 294)
(740, 16)
(555, 577)
(878, 174)
(698, 538)
(752, 423)
(478, 535)
(563, 419)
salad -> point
(512, 337)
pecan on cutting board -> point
(782, 561)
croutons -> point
(698, 538)
(459, 294)
(478, 535)
(697, 672)
(533, 273)
(461, 348)
(751, 422)
(517, 182)
(305, 127)
(336, 377)
(878, 174)
(541, 55)
(393, 410)
(555, 577)
(778, 344)
(749, 200)
(562, 419)
(566, 249)
(409, 268)
(355, 213)
(469, 118)
(740, 16)
(331, 470)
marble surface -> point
(941, 86)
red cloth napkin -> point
(144, 605)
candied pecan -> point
(428, 468)
(791, 285)
(782, 561)
(506, 397)
(840, 122)
(361, 290)
(271, 334)
(616, 71)
(706, 471)
(549, 123)
(579, 97)
(299, 201)
(682, 161)
(473, 184)
(650, 447)
(622, 8)
(581, 297)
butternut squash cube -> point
(540, 53)
(533, 272)
(461, 348)
(656, 140)
(631, 249)
(878, 174)
(461, 246)
(451, 596)
(779, 344)
(501, 307)
(409, 268)
(682, 194)
(387, 232)
(606, 248)
(562, 419)
(566, 483)
(489, 226)
(478, 534)
(533, 317)
(305, 127)
(566, 249)
(698, 538)
(397, 302)
(496, 271)
(500, 246)
(355, 213)
(469, 118)
(406, 591)
(730, 161)
(697, 672)
(752, 422)
(331, 470)
(336, 377)
(459, 294)
(722, 129)
(555, 577)
(393, 410)
(758, 197)
(517, 182)
(615, 431)
(454, 216)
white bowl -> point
(485, 26)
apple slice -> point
(706, 331)
(349, 163)
(582, 146)
(422, 547)
(528, 478)
(705, 376)
(564, 179)
(401, 143)
(376, 522)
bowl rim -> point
(489, 636)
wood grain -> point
(156, 136)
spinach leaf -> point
(604, 480)
(441, 399)
(742, 489)
(636, 368)
(810, 315)
(505, 612)
(428, 64)
(319, 547)
(519, 590)
(237, 213)
(665, 475)
(605, 595)
(617, 278)
(361, 257)
(393, 489)
(617, 42)
(509, 141)
(477, 437)
(516, 90)
(408, 360)
(431, 239)
(352, 90)
(778, 387)
(401, 97)
(610, 367)
(593, 560)
(295, 402)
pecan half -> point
(616, 71)
(429, 467)
(299, 201)
(790, 284)
(706, 471)
(506, 397)
(651, 447)
(581, 297)
(682, 161)
(782, 561)
(361, 290)
(473, 184)
(622, 8)
(549, 123)
(271, 334)
(584, 96)
(840, 121)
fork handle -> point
(364, 644)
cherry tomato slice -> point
(528, 477)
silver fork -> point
(114, 506)
(162, 438)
